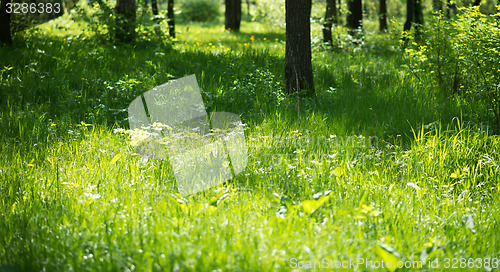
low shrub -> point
(461, 56)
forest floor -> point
(379, 167)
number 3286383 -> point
(23, 8)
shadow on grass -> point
(76, 80)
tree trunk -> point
(355, 16)
(338, 19)
(125, 20)
(327, 27)
(154, 7)
(452, 9)
(170, 17)
(5, 34)
(383, 16)
(233, 15)
(419, 17)
(409, 15)
(476, 3)
(298, 67)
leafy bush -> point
(200, 10)
(462, 57)
(259, 90)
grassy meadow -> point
(380, 165)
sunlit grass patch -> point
(377, 165)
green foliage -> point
(26, 18)
(340, 176)
(462, 57)
(99, 16)
(258, 91)
(200, 10)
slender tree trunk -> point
(327, 27)
(171, 19)
(383, 16)
(298, 67)
(5, 34)
(233, 15)
(335, 11)
(409, 15)
(355, 16)
(154, 7)
(414, 16)
(338, 18)
(125, 20)
(419, 17)
(452, 8)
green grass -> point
(377, 158)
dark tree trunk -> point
(383, 16)
(414, 16)
(170, 17)
(298, 67)
(154, 6)
(329, 15)
(233, 15)
(338, 19)
(5, 34)
(355, 16)
(125, 20)
(452, 9)
(419, 17)
(409, 15)
(476, 3)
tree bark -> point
(329, 15)
(419, 17)
(170, 18)
(409, 15)
(125, 20)
(154, 7)
(338, 19)
(233, 15)
(383, 16)
(355, 16)
(5, 34)
(298, 66)
(414, 16)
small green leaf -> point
(116, 158)
(388, 254)
(287, 201)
